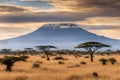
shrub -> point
(86, 57)
(112, 60)
(61, 62)
(77, 65)
(82, 62)
(58, 58)
(24, 58)
(36, 65)
(95, 74)
(103, 61)
(10, 61)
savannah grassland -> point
(51, 70)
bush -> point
(82, 62)
(103, 61)
(86, 57)
(36, 64)
(10, 61)
(73, 66)
(77, 65)
(58, 58)
(24, 58)
(112, 60)
(95, 74)
(61, 62)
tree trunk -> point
(91, 57)
(9, 68)
(47, 55)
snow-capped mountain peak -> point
(63, 36)
(62, 25)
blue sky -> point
(18, 17)
(35, 3)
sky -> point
(19, 17)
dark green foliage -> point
(9, 61)
(46, 50)
(58, 58)
(36, 64)
(112, 60)
(24, 58)
(83, 62)
(77, 65)
(103, 61)
(92, 47)
(95, 74)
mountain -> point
(63, 36)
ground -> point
(71, 70)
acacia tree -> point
(10, 61)
(92, 47)
(29, 50)
(5, 51)
(46, 49)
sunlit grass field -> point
(70, 70)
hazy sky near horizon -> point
(18, 17)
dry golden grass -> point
(51, 70)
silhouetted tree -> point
(92, 47)
(103, 61)
(29, 50)
(112, 60)
(5, 51)
(10, 61)
(46, 49)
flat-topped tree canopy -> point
(92, 44)
(45, 47)
(92, 47)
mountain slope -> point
(64, 36)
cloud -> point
(40, 17)
(103, 21)
(11, 8)
(29, 0)
(95, 27)
(88, 6)
(10, 32)
(30, 14)
(36, 17)
(111, 33)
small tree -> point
(46, 49)
(10, 61)
(6, 51)
(103, 61)
(92, 47)
(29, 50)
(112, 60)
